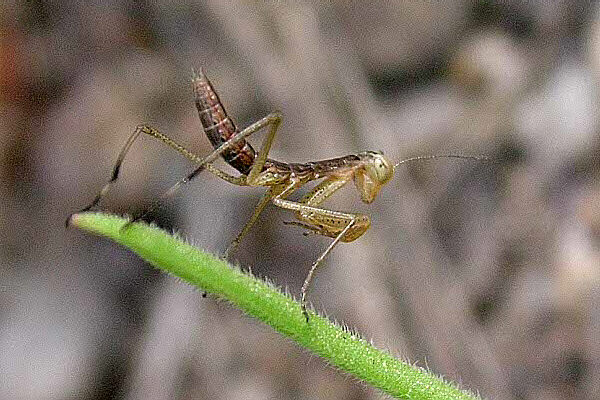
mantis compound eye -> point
(380, 169)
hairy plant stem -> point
(262, 300)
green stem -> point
(264, 301)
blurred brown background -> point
(486, 273)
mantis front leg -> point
(341, 226)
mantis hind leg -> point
(273, 119)
(125, 149)
(116, 169)
(148, 130)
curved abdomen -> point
(219, 127)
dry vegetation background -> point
(487, 273)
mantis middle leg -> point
(254, 176)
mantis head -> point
(376, 172)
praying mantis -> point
(369, 171)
